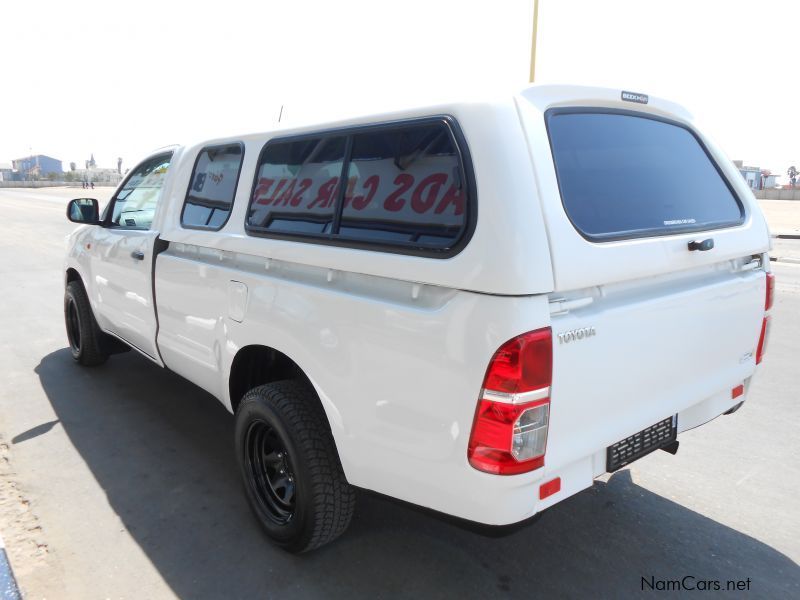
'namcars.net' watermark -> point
(690, 583)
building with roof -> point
(39, 165)
(6, 172)
(756, 177)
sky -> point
(119, 79)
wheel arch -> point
(72, 275)
(257, 364)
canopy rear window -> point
(623, 175)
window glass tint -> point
(297, 186)
(404, 186)
(627, 176)
(212, 187)
(135, 204)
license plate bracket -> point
(634, 447)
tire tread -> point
(91, 352)
(333, 499)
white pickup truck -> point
(475, 307)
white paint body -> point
(397, 346)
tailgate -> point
(638, 354)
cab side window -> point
(212, 187)
(135, 204)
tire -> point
(85, 337)
(292, 475)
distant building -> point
(6, 172)
(756, 177)
(36, 166)
(98, 175)
(768, 180)
(752, 175)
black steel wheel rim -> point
(73, 326)
(268, 472)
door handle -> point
(137, 254)
(703, 246)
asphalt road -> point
(120, 482)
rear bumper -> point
(503, 503)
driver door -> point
(122, 258)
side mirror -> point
(84, 210)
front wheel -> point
(292, 475)
(82, 331)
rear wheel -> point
(84, 335)
(292, 475)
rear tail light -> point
(762, 340)
(768, 302)
(770, 291)
(509, 435)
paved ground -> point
(784, 223)
(783, 216)
(120, 481)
